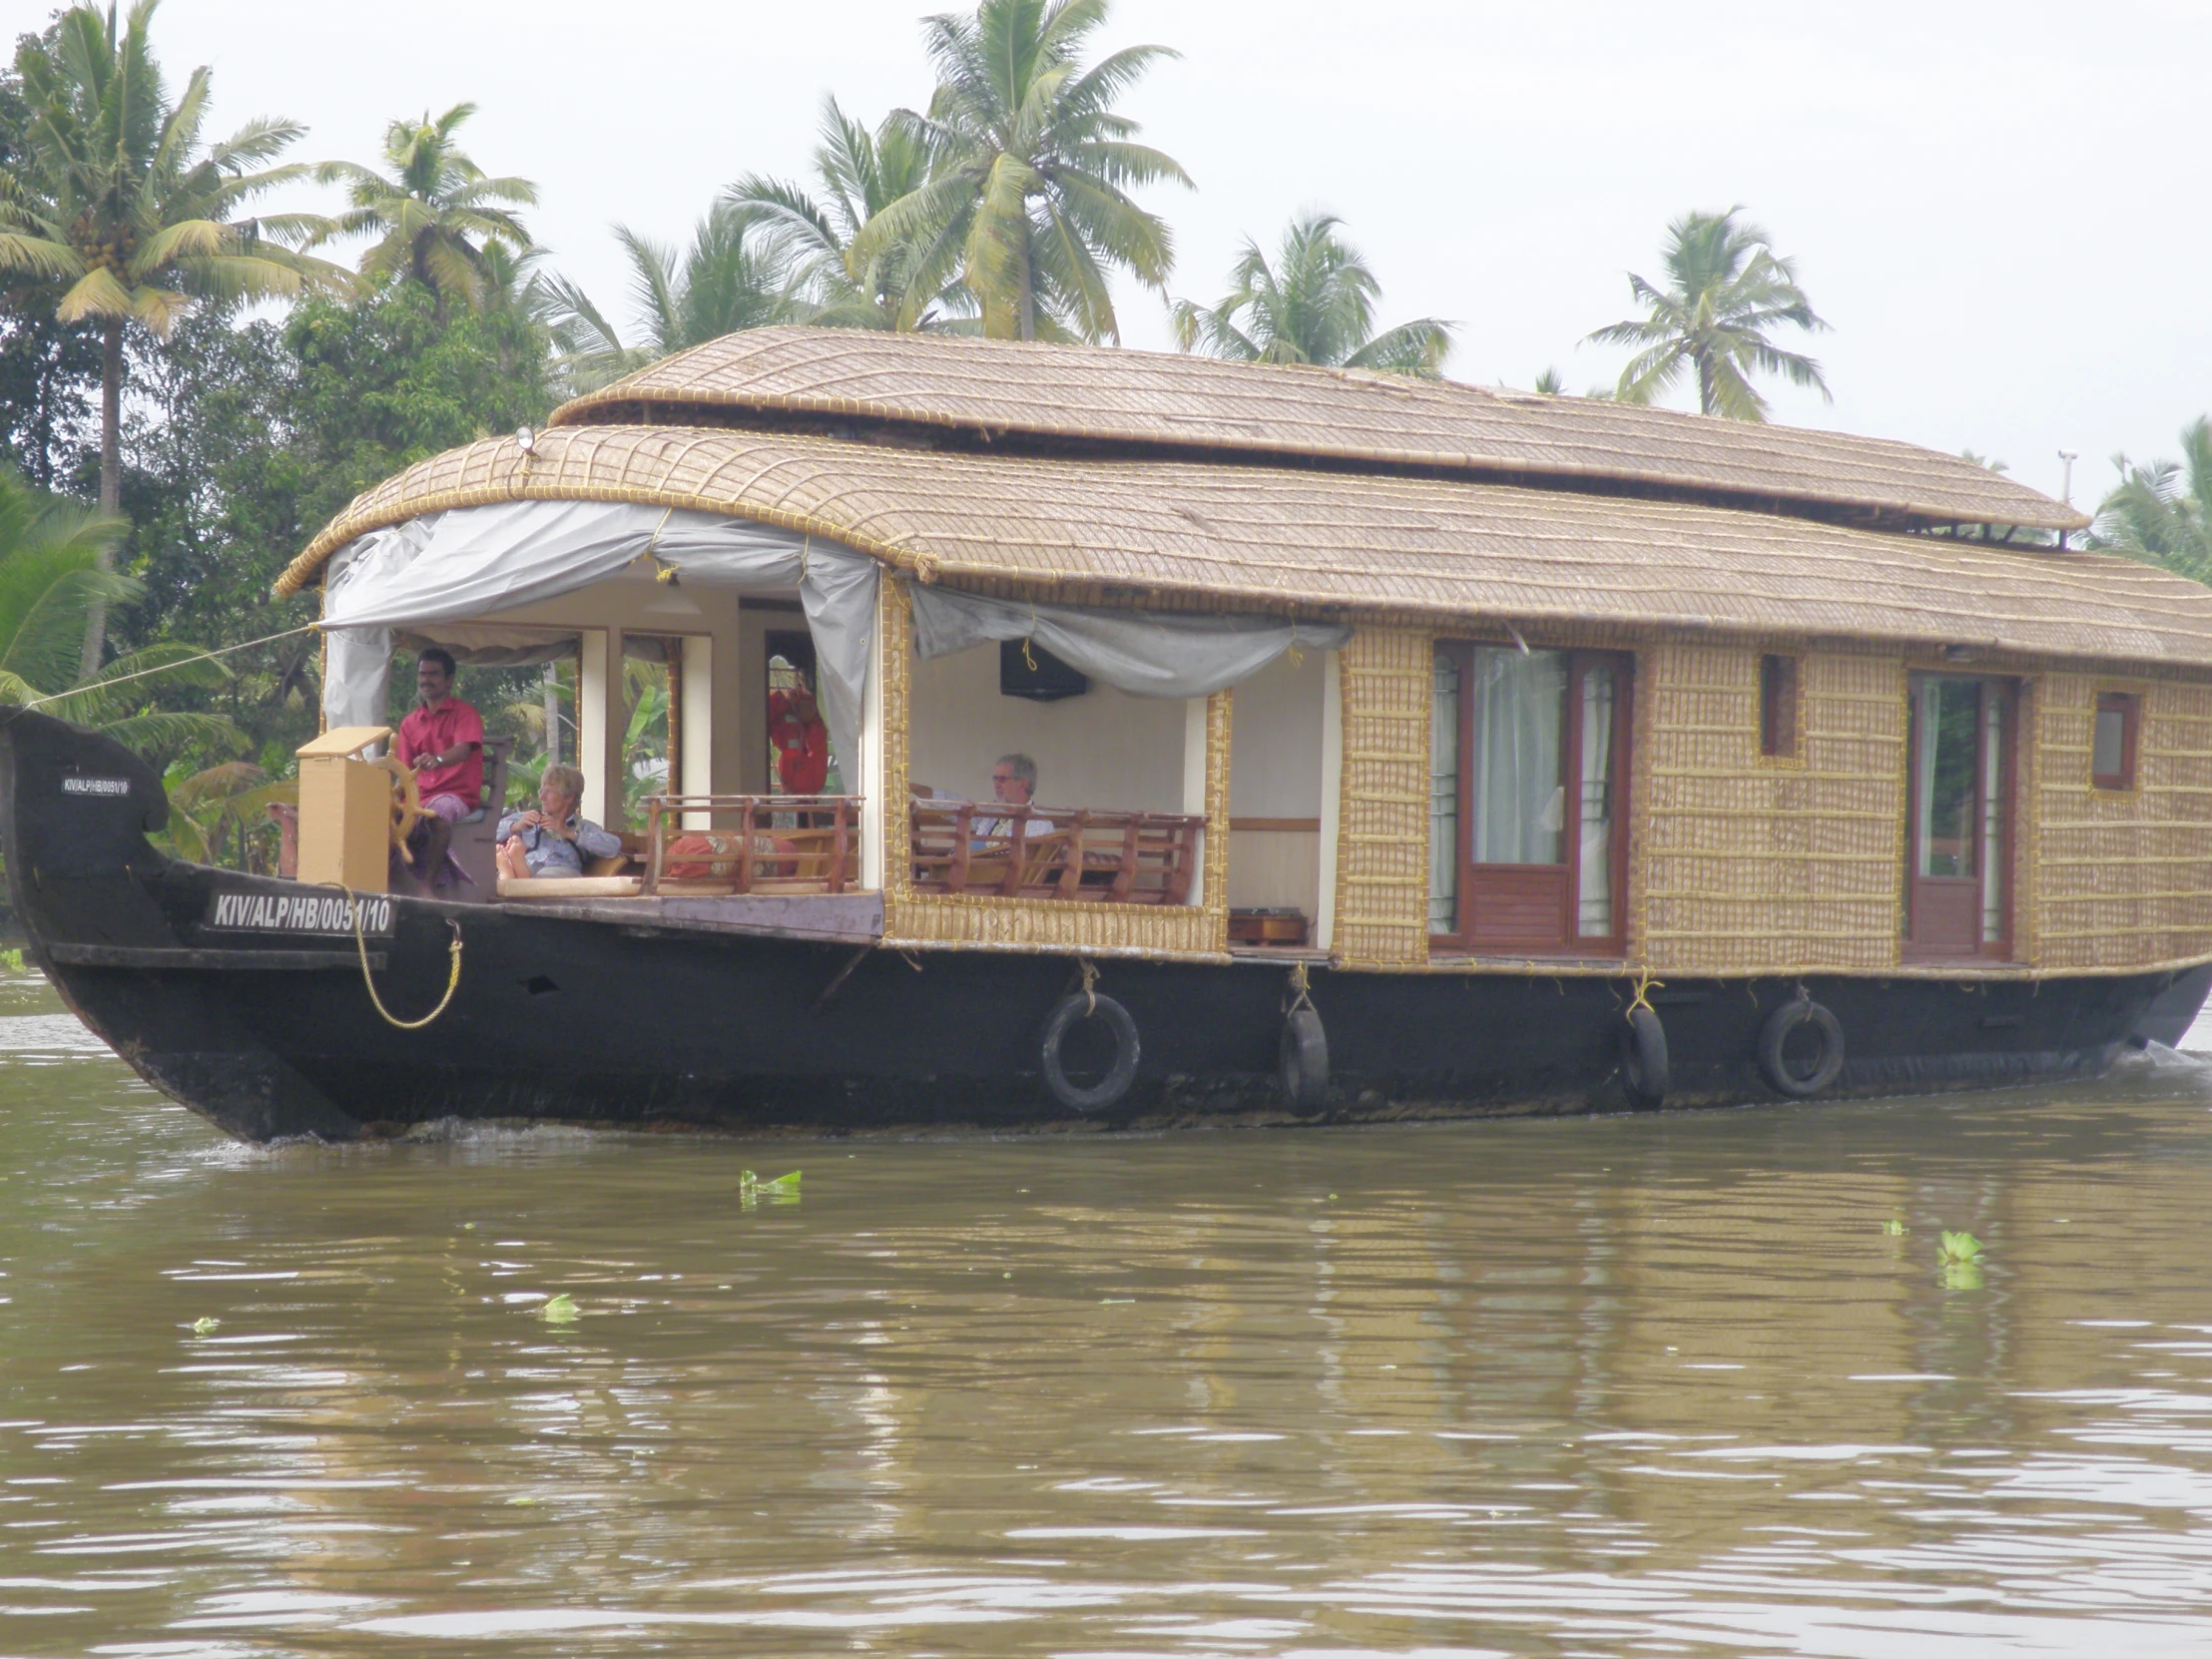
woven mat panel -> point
(2123, 879)
(1388, 679)
(1143, 397)
(1306, 542)
(1748, 865)
(922, 919)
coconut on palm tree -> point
(857, 174)
(1313, 304)
(432, 211)
(729, 277)
(1027, 200)
(116, 199)
(1725, 288)
(2163, 512)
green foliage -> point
(1725, 290)
(51, 577)
(433, 214)
(1030, 166)
(1959, 1256)
(751, 1189)
(559, 1309)
(2162, 513)
(115, 196)
(858, 174)
(1314, 303)
(730, 278)
(205, 1325)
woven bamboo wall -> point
(2121, 879)
(1746, 865)
(1382, 840)
(974, 919)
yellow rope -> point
(360, 942)
(1644, 983)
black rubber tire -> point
(1777, 1031)
(1644, 1060)
(1304, 1061)
(1108, 1090)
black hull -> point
(582, 1021)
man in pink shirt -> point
(442, 738)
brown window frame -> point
(2129, 707)
(2012, 696)
(1464, 941)
(1780, 719)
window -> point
(1778, 708)
(2113, 744)
(1527, 778)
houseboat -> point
(1399, 749)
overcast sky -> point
(1998, 207)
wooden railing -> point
(1114, 857)
(751, 843)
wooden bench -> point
(1092, 854)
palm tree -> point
(2163, 512)
(858, 173)
(432, 211)
(1027, 200)
(1314, 305)
(1726, 287)
(730, 278)
(115, 197)
(51, 573)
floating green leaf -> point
(1959, 1247)
(1896, 1229)
(206, 1327)
(1960, 1259)
(559, 1310)
(783, 1190)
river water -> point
(1685, 1385)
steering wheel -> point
(406, 805)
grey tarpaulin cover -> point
(473, 562)
(1145, 654)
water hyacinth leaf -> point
(751, 1189)
(206, 1327)
(1896, 1229)
(559, 1310)
(1959, 1247)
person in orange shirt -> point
(801, 741)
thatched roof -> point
(1000, 391)
(1310, 542)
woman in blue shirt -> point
(550, 839)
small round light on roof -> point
(526, 440)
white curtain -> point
(1141, 653)
(1519, 805)
(473, 562)
(1594, 885)
(1444, 794)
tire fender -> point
(1643, 1042)
(1780, 1026)
(1068, 1013)
(1302, 1057)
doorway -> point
(1529, 774)
(1958, 900)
